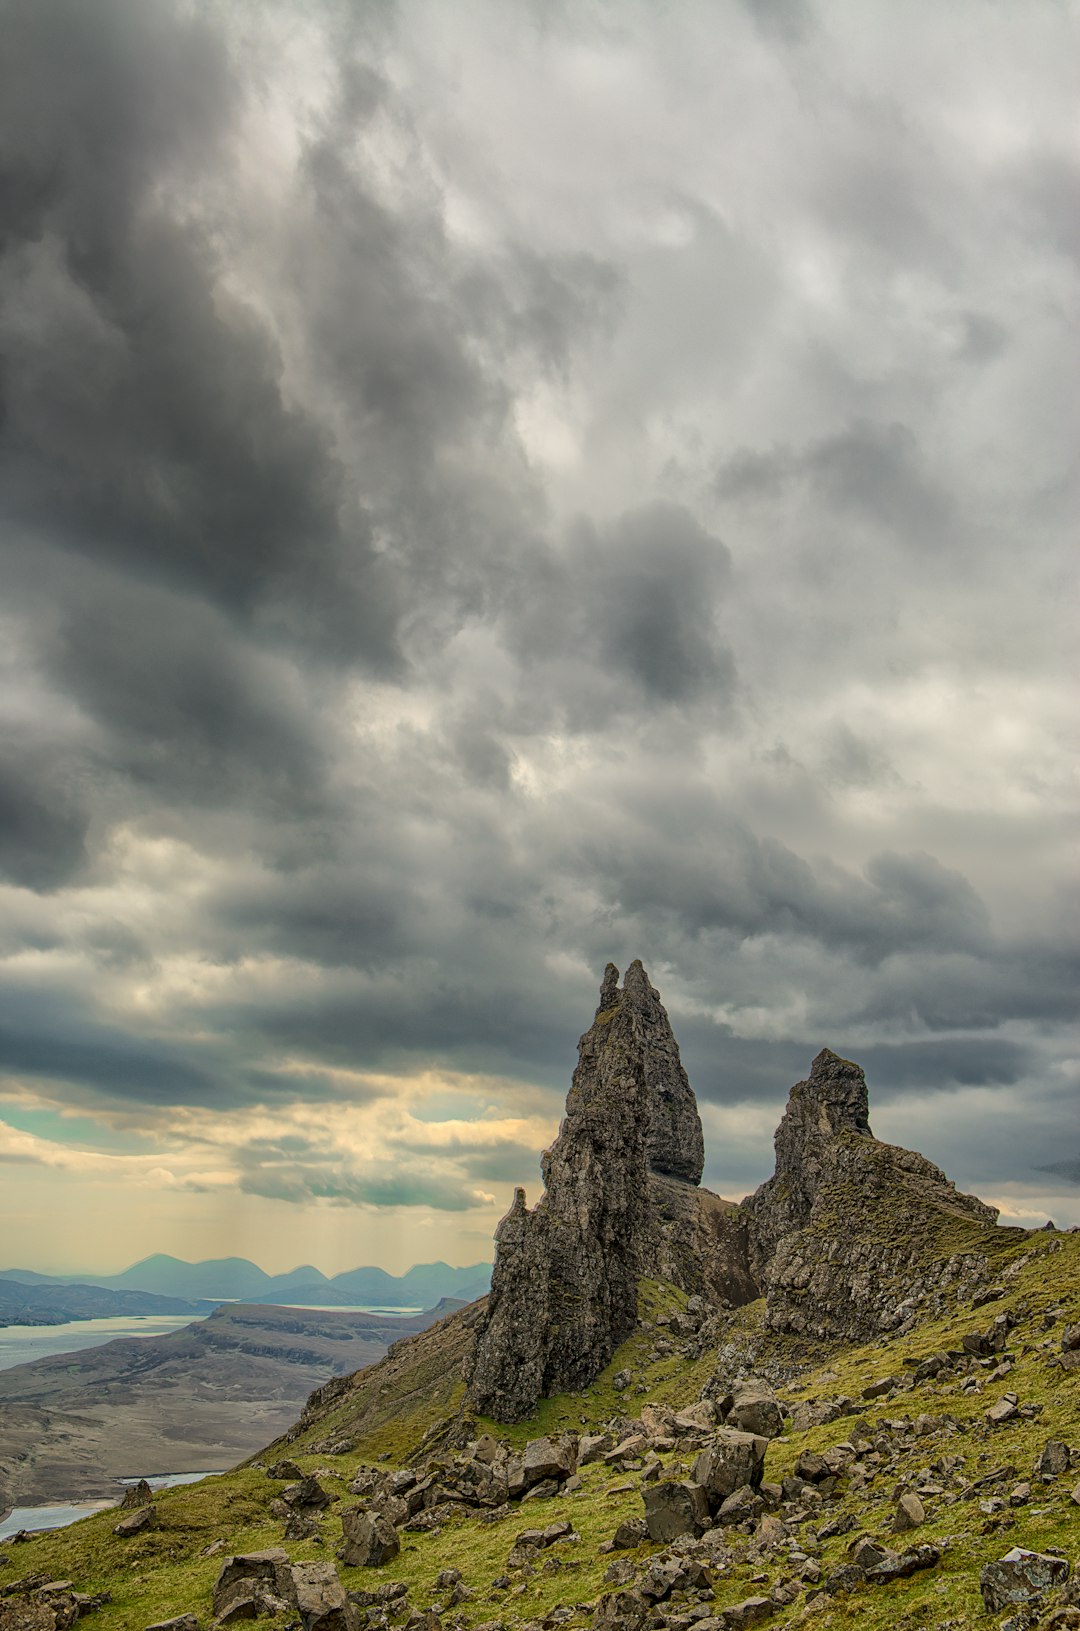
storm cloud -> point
(482, 494)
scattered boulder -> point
(320, 1598)
(741, 1506)
(894, 1567)
(307, 1495)
(368, 1539)
(663, 1576)
(621, 1611)
(812, 1467)
(285, 1470)
(592, 1446)
(182, 1622)
(548, 1458)
(1055, 1460)
(728, 1460)
(696, 1418)
(756, 1411)
(136, 1522)
(631, 1532)
(1020, 1577)
(751, 1611)
(139, 1494)
(674, 1509)
(909, 1512)
(250, 1584)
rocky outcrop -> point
(564, 1288)
(850, 1235)
(848, 1239)
(699, 1242)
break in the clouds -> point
(486, 490)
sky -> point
(491, 488)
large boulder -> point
(368, 1539)
(729, 1460)
(1020, 1577)
(252, 1583)
(320, 1598)
(548, 1458)
(754, 1410)
(673, 1509)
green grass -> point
(389, 1408)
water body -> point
(58, 1517)
(22, 1344)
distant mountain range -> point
(228, 1279)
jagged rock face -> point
(851, 1234)
(676, 1145)
(564, 1288)
(833, 1100)
(698, 1242)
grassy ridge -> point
(389, 1409)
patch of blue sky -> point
(81, 1131)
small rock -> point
(909, 1513)
(1055, 1459)
(139, 1494)
(749, 1612)
(1003, 1411)
(182, 1622)
(631, 1532)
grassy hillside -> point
(391, 1410)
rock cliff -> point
(850, 1233)
(564, 1287)
(847, 1239)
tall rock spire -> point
(675, 1144)
(564, 1287)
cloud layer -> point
(485, 493)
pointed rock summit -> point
(564, 1287)
(675, 1144)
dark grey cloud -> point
(1065, 1169)
(44, 821)
(629, 617)
(447, 545)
